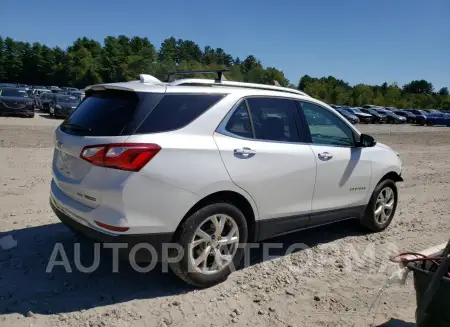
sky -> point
(359, 41)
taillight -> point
(124, 156)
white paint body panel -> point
(338, 177)
(280, 176)
(282, 179)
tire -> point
(186, 232)
(372, 221)
(31, 115)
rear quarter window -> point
(176, 111)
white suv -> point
(211, 165)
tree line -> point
(123, 58)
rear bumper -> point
(127, 241)
(19, 112)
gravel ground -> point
(332, 283)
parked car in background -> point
(70, 89)
(369, 106)
(15, 101)
(391, 117)
(363, 117)
(350, 117)
(46, 99)
(438, 118)
(421, 116)
(410, 117)
(63, 105)
(376, 116)
(78, 94)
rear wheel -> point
(210, 240)
(381, 209)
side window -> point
(239, 123)
(327, 128)
(176, 111)
(273, 119)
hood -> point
(15, 99)
(16, 102)
(363, 114)
(384, 146)
(68, 105)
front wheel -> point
(210, 241)
(381, 208)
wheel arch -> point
(393, 176)
(232, 197)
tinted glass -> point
(104, 113)
(175, 111)
(273, 119)
(14, 93)
(239, 123)
(325, 127)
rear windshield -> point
(104, 113)
(114, 113)
(175, 111)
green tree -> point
(418, 86)
(443, 91)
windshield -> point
(357, 110)
(14, 93)
(66, 99)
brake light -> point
(124, 156)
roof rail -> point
(219, 72)
(210, 82)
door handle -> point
(245, 152)
(325, 156)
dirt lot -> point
(333, 283)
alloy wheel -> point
(214, 244)
(384, 205)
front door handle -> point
(244, 152)
(325, 156)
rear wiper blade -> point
(77, 127)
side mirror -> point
(366, 141)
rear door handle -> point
(325, 156)
(245, 152)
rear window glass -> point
(104, 113)
(175, 111)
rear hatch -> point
(104, 117)
(91, 164)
